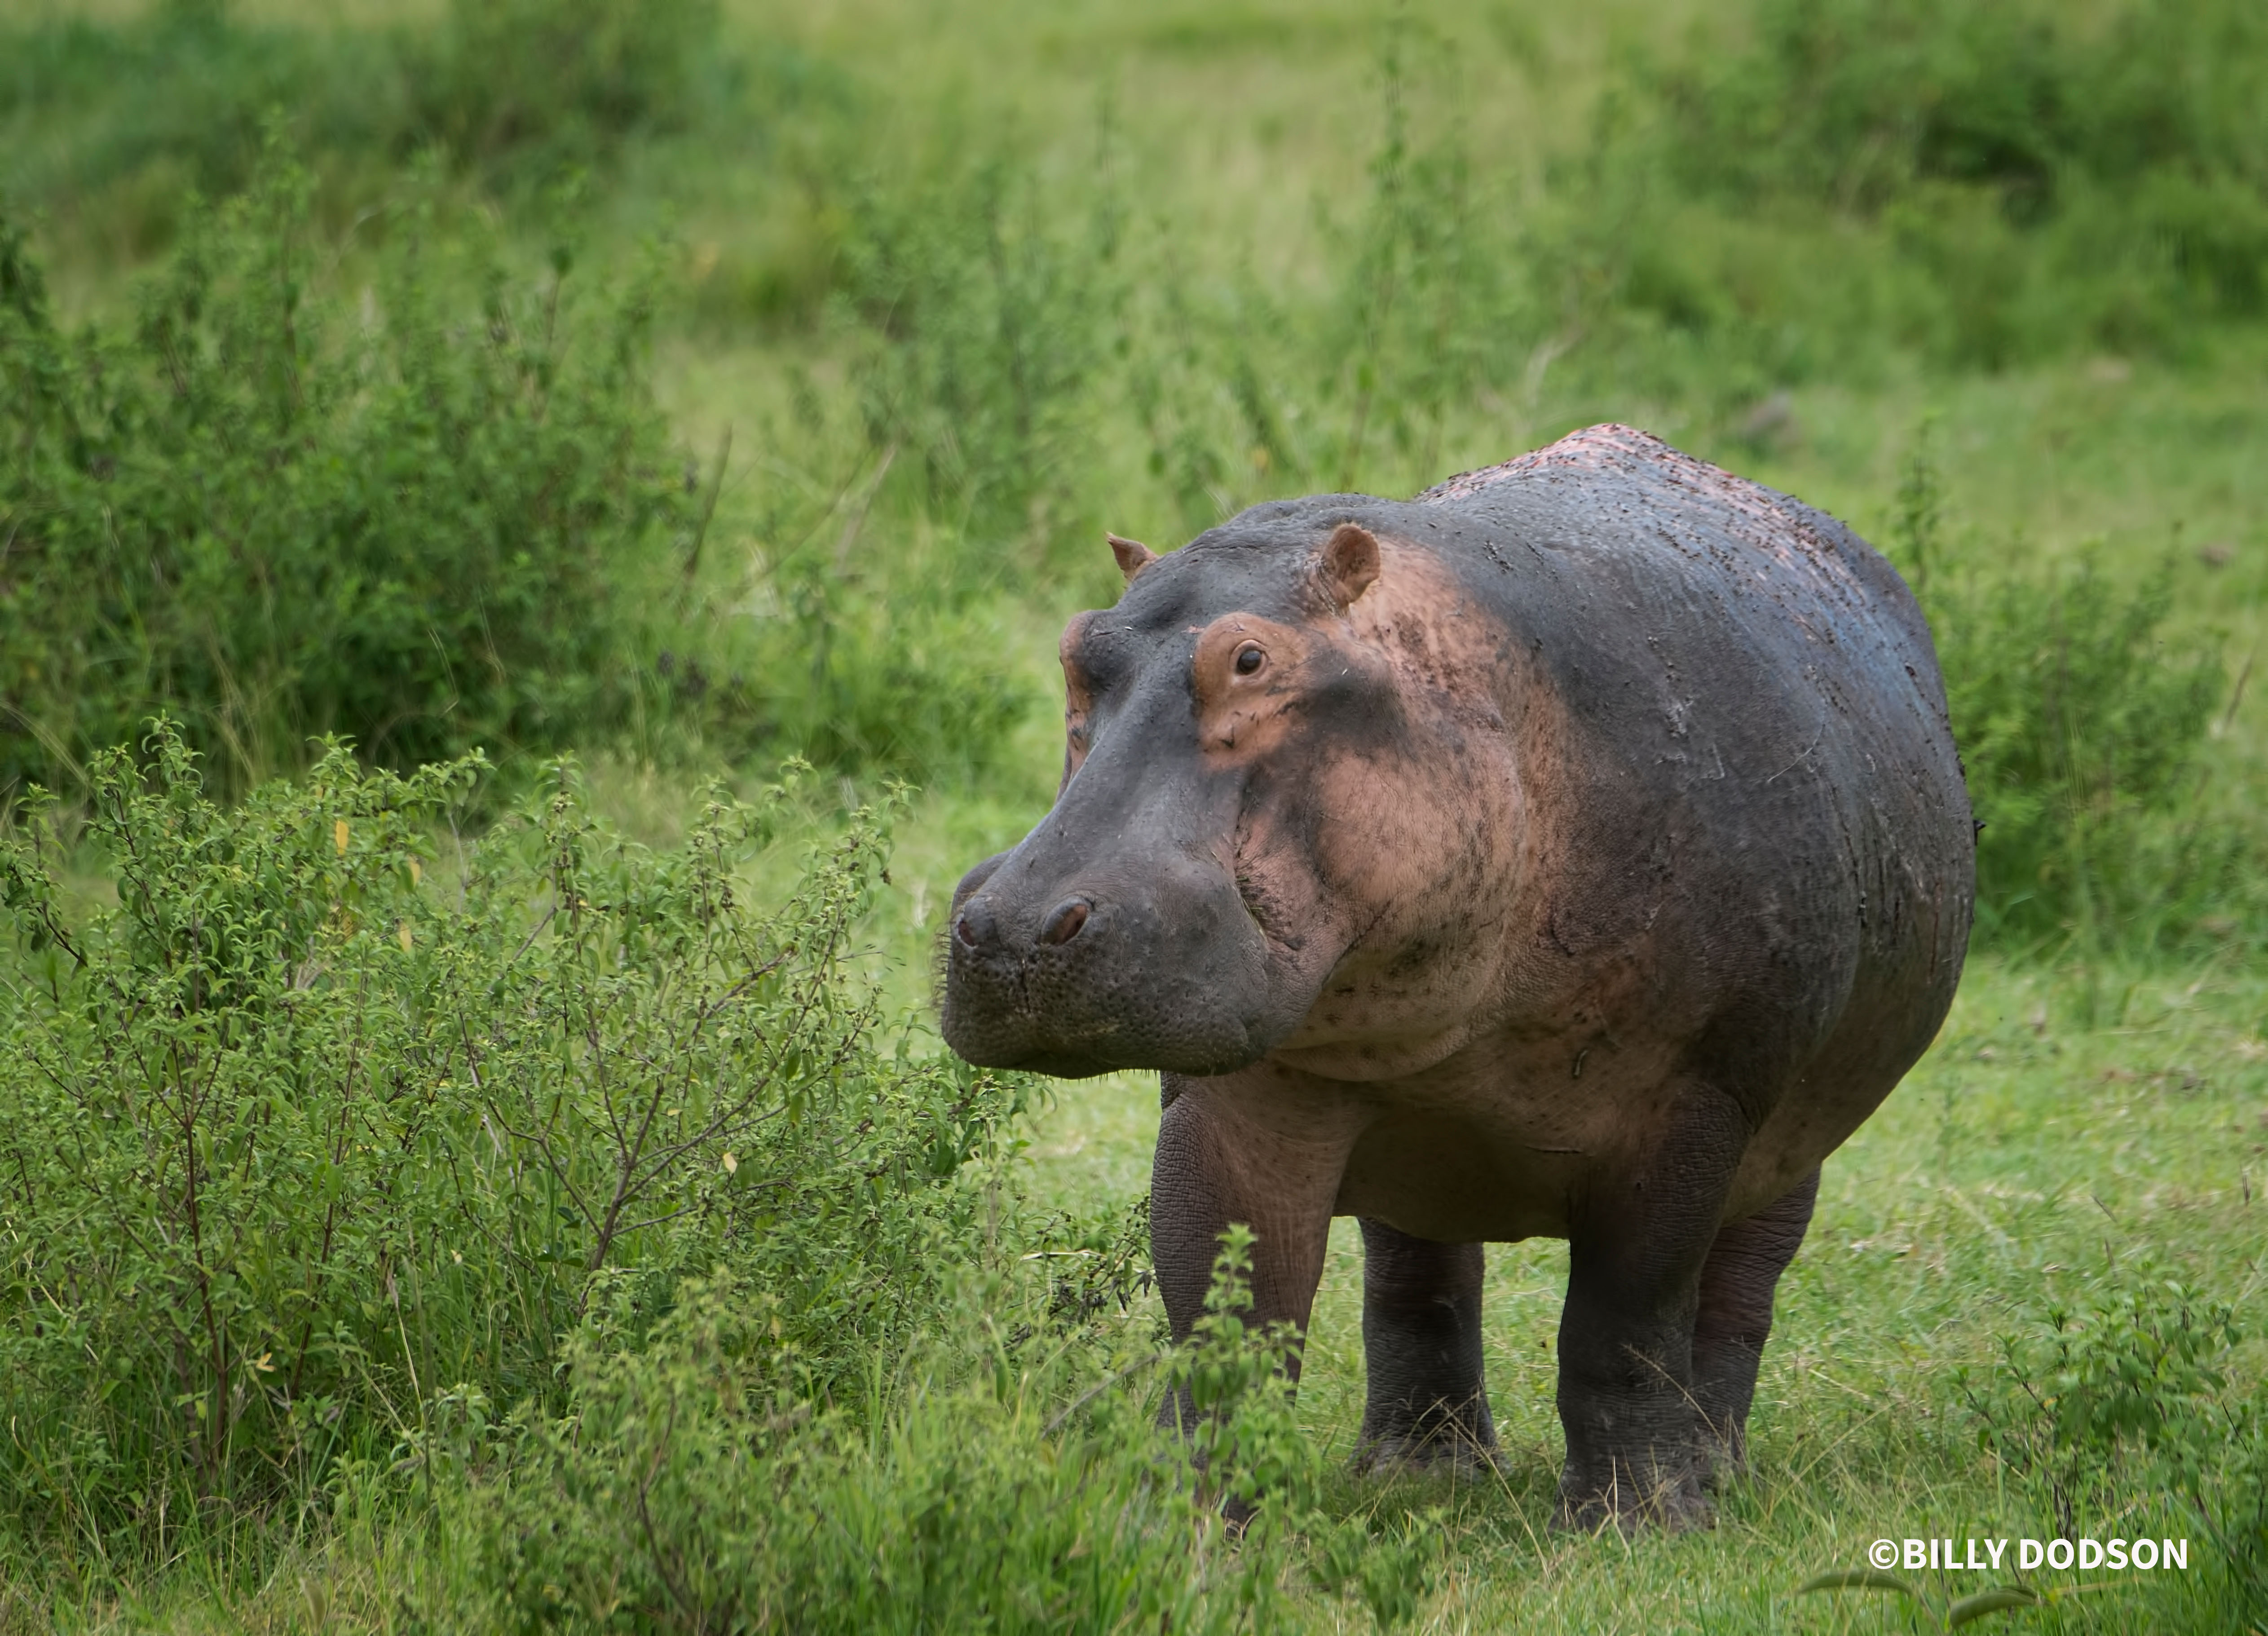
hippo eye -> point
(1249, 658)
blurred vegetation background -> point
(709, 384)
(696, 386)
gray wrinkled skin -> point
(1578, 850)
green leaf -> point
(1857, 1579)
(1997, 1600)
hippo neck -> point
(1430, 846)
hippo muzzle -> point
(1149, 962)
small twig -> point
(2236, 695)
(669, 1580)
(535, 933)
(856, 522)
(708, 507)
(1063, 1415)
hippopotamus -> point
(1578, 849)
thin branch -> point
(1063, 1416)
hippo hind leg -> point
(1635, 1437)
(1734, 1316)
(1426, 1403)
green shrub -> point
(560, 80)
(682, 1492)
(2122, 1401)
(894, 676)
(112, 124)
(686, 1487)
(309, 1146)
(2082, 731)
(2057, 177)
(1432, 298)
(1852, 101)
(1431, 307)
(425, 527)
(978, 325)
(119, 117)
(449, 516)
(2081, 725)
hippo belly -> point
(1457, 1180)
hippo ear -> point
(1348, 565)
(1133, 555)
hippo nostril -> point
(1063, 924)
(975, 927)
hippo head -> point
(1274, 832)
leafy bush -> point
(2124, 1400)
(872, 678)
(1432, 300)
(686, 1487)
(682, 1492)
(450, 518)
(2081, 728)
(421, 527)
(1855, 100)
(1429, 308)
(977, 329)
(1249, 1454)
(130, 113)
(561, 79)
(2081, 733)
(302, 1135)
(113, 124)
(2057, 177)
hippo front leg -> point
(1636, 1449)
(1217, 1162)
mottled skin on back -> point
(1578, 850)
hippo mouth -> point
(1164, 971)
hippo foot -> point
(1451, 1450)
(1672, 1502)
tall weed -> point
(871, 678)
(977, 326)
(552, 82)
(447, 515)
(682, 1492)
(112, 126)
(1429, 308)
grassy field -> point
(875, 316)
(2070, 1135)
